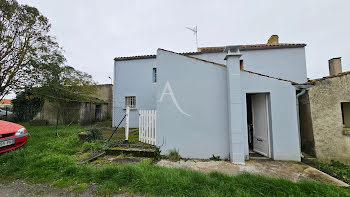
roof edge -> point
(223, 65)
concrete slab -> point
(293, 171)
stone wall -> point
(105, 92)
(72, 112)
(325, 103)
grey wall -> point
(200, 90)
(285, 63)
(133, 78)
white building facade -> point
(226, 103)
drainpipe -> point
(303, 91)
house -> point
(6, 103)
(224, 101)
(94, 108)
(325, 115)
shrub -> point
(26, 106)
(174, 155)
(93, 134)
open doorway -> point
(258, 125)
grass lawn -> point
(46, 158)
(336, 169)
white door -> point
(260, 124)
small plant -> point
(215, 158)
(174, 155)
(93, 134)
(93, 146)
(157, 154)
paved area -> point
(293, 171)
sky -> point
(94, 32)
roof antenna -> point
(195, 31)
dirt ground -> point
(293, 171)
(20, 188)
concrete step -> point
(136, 152)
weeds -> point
(174, 155)
(215, 158)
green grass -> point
(336, 169)
(46, 158)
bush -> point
(38, 122)
(26, 106)
(94, 134)
(174, 155)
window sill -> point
(346, 131)
(134, 108)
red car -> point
(11, 136)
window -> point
(241, 64)
(154, 80)
(345, 109)
(130, 101)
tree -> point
(64, 83)
(27, 51)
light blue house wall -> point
(201, 92)
(133, 78)
(199, 129)
(282, 113)
(284, 63)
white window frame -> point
(130, 101)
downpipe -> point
(302, 92)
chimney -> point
(335, 66)
(273, 40)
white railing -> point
(147, 126)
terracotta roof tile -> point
(251, 47)
(6, 101)
(202, 50)
(313, 81)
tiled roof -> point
(313, 81)
(6, 101)
(251, 47)
(220, 49)
(251, 72)
(263, 75)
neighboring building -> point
(207, 100)
(83, 112)
(6, 103)
(97, 107)
(325, 115)
(104, 92)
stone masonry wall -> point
(325, 103)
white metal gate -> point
(147, 126)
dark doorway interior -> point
(98, 115)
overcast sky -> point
(93, 32)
